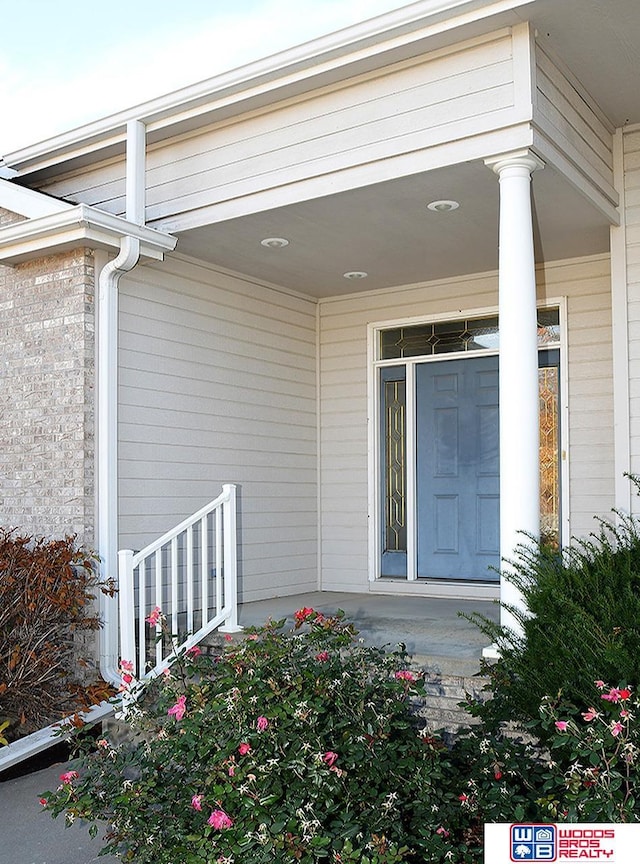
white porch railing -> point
(191, 574)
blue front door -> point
(457, 469)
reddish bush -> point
(46, 601)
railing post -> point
(126, 603)
(230, 560)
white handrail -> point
(175, 573)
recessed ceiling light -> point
(355, 274)
(274, 242)
(443, 206)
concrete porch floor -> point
(433, 632)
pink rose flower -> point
(616, 728)
(405, 675)
(590, 715)
(179, 709)
(194, 651)
(301, 615)
(261, 724)
(154, 617)
(330, 758)
(323, 656)
(561, 725)
(600, 684)
(196, 802)
(612, 696)
(219, 820)
(244, 748)
(126, 665)
(69, 776)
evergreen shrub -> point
(581, 623)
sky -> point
(64, 63)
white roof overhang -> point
(398, 35)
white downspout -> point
(107, 394)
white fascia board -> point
(28, 202)
(80, 225)
(370, 42)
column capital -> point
(516, 159)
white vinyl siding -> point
(343, 399)
(573, 124)
(631, 144)
(415, 106)
(218, 385)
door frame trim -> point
(426, 587)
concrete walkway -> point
(432, 630)
(30, 836)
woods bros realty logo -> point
(550, 843)
(538, 843)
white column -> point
(519, 399)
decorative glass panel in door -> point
(549, 384)
(393, 433)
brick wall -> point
(9, 218)
(47, 395)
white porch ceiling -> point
(386, 230)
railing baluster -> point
(219, 564)
(142, 613)
(127, 607)
(189, 578)
(204, 566)
(174, 586)
(158, 563)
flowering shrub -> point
(298, 747)
(304, 747)
(593, 773)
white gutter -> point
(77, 225)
